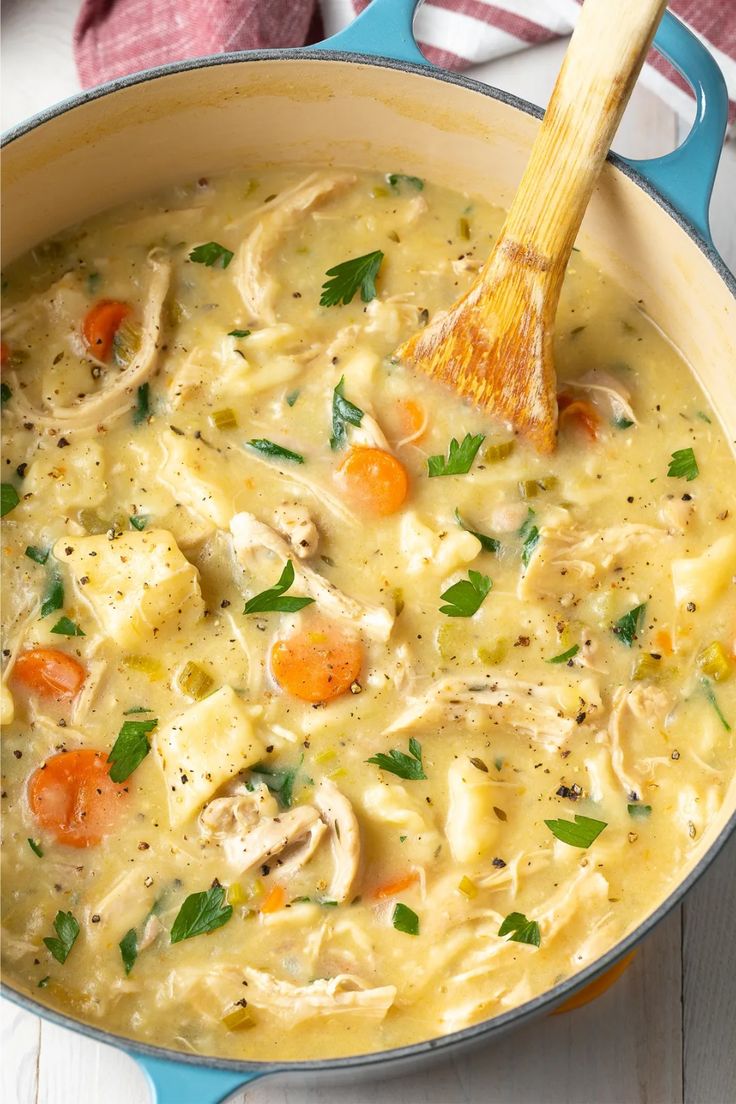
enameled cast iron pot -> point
(367, 98)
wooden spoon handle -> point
(603, 60)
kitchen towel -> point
(116, 37)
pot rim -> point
(546, 1000)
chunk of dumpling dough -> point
(71, 478)
(197, 476)
(135, 584)
(702, 578)
(472, 825)
(425, 548)
(202, 748)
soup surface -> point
(334, 717)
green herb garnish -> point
(622, 423)
(129, 949)
(710, 695)
(398, 762)
(703, 417)
(8, 498)
(465, 597)
(38, 555)
(35, 847)
(639, 810)
(628, 626)
(67, 930)
(348, 277)
(273, 600)
(394, 180)
(142, 409)
(405, 919)
(136, 709)
(43, 982)
(683, 465)
(578, 833)
(238, 333)
(66, 627)
(279, 782)
(459, 459)
(530, 536)
(210, 254)
(271, 449)
(200, 913)
(292, 397)
(490, 544)
(138, 521)
(563, 657)
(130, 748)
(53, 596)
(520, 929)
(5, 393)
(344, 413)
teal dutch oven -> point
(367, 98)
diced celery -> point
(713, 661)
(91, 521)
(146, 665)
(238, 1018)
(224, 419)
(645, 666)
(492, 653)
(194, 681)
(468, 887)
(464, 228)
(236, 895)
(497, 450)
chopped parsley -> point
(521, 930)
(277, 452)
(142, 408)
(35, 847)
(489, 544)
(129, 949)
(292, 397)
(211, 254)
(465, 597)
(279, 782)
(130, 748)
(38, 555)
(398, 762)
(405, 919)
(565, 657)
(683, 465)
(136, 709)
(67, 930)
(43, 982)
(201, 913)
(347, 278)
(138, 521)
(273, 600)
(8, 498)
(580, 832)
(459, 459)
(703, 417)
(66, 627)
(710, 695)
(628, 626)
(53, 596)
(344, 413)
(395, 180)
(529, 534)
(5, 393)
(639, 811)
(622, 423)
(238, 333)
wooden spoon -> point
(494, 345)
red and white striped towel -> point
(116, 37)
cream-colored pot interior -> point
(152, 134)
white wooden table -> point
(666, 1033)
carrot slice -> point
(317, 666)
(274, 900)
(49, 673)
(398, 885)
(100, 325)
(374, 480)
(73, 797)
(412, 418)
(663, 642)
(579, 414)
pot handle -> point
(685, 176)
(183, 1083)
(383, 29)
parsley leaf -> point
(238, 333)
(53, 597)
(622, 423)
(210, 254)
(38, 555)
(270, 448)
(66, 627)
(466, 597)
(490, 544)
(398, 762)
(521, 929)
(627, 627)
(136, 709)
(8, 498)
(273, 600)
(529, 534)
(348, 277)
(394, 180)
(683, 465)
(5, 393)
(142, 408)
(129, 949)
(578, 833)
(710, 695)
(130, 748)
(564, 657)
(405, 919)
(639, 810)
(138, 521)
(67, 930)
(343, 412)
(292, 397)
(35, 847)
(279, 782)
(459, 459)
(200, 913)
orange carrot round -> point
(49, 673)
(412, 419)
(317, 665)
(580, 414)
(73, 797)
(374, 480)
(100, 325)
(395, 886)
(274, 900)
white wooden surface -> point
(666, 1033)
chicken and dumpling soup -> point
(335, 717)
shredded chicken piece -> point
(151, 931)
(675, 513)
(563, 553)
(520, 866)
(253, 280)
(369, 434)
(237, 813)
(323, 496)
(344, 993)
(414, 210)
(337, 812)
(300, 828)
(253, 536)
(602, 385)
(508, 517)
(646, 704)
(117, 397)
(294, 522)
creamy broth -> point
(344, 905)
